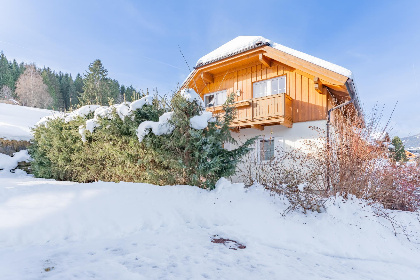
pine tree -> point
(17, 70)
(194, 156)
(398, 153)
(67, 89)
(6, 77)
(131, 94)
(78, 86)
(71, 92)
(51, 79)
(95, 85)
(112, 91)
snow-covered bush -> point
(145, 141)
(194, 150)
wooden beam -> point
(257, 126)
(264, 60)
(235, 129)
(207, 77)
(232, 60)
(318, 85)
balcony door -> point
(269, 87)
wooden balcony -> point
(262, 111)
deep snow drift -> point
(65, 230)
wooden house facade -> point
(279, 92)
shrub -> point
(113, 151)
(351, 164)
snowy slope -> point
(65, 230)
(16, 121)
(411, 141)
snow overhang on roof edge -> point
(244, 43)
(247, 48)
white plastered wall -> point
(284, 138)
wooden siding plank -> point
(305, 98)
(312, 106)
(247, 92)
(298, 98)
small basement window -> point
(269, 87)
(215, 98)
(265, 149)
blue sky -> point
(137, 41)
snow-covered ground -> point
(16, 121)
(65, 230)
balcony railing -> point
(267, 110)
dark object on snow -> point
(231, 244)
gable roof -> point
(244, 43)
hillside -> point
(16, 121)
(411, 141)
(46, 88)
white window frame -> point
(267, 87)
(219, 98)
(278, 147)
(261, 157)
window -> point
(215, 98)
(269, 87)
(265, 149)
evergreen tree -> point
(131, 94)
(399, 151)
(71, 92)
(113, 91)
(65, 91)
(197, 156)
(51, 79)
(68, 90)
(122, 92)
(17, 70)
(78, 86)
(6, 77)
(96, 85)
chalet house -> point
(279, 92)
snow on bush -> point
(81, 112)
(158, 128)
(201, 121)
(138, 104)
(56, 115)
(154, 143)
(190, 95)
(126, 109)
(123, 110)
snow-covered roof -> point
(243, 43)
